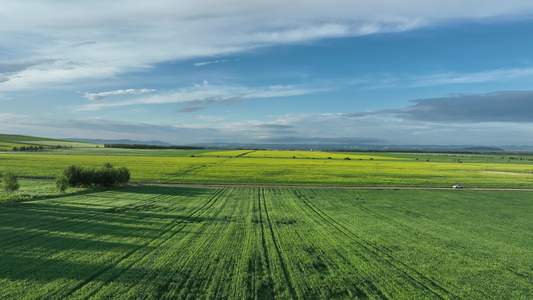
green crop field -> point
(169, 242)
(286, 167)
(155, 242)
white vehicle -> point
(457, 186)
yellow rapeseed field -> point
(289, 168)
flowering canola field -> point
(292, 168)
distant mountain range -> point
(365, 147)
(342, 147)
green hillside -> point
(9, 141)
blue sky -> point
(343, 72)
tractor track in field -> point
(431, 286)
(275, 241)
(157, 183)
(175, 226)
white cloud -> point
(335, 128)
(202, 94)
(199, 64)
(102, 39)
(389, 129)
(98, 96)
(56, 73)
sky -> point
(381, 72)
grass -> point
(32, 190)
(267, 243)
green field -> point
(9, 141)
(286, 167)
(170, 242)
(154, 242)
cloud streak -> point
(197, 96)
(99, 96)
(200, 64)
(458, 78)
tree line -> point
(37, 148)
(144, 146)
(28, 148)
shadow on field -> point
(85, 233)
(38, 268)
(24, 221)
(80, 274)
(183, 191)
(57, 195)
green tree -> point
(10, 182)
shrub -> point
(104, 177)
(62, 183)
(10, 182)
(107, 176)
(123, 175)
(74, 175)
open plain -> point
(181, 240)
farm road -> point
(326, 187)
(308, 186)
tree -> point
(10, 182)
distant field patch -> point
(506, 173)
(317, 155)
(228, 153)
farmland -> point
(197, 242)
(9, 141)
(286, 167)
(254, 243)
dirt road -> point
(326, 187)
(307, 186)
